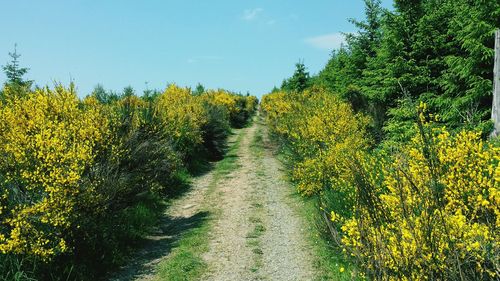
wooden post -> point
(495, 111)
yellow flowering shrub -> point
(275, 106)
(81, 179)
(47, 141)
(182, 117)
(438, 211)
(251, 103)
(222, 98)
(239, 108)
(322, 139)
(426, 211)
(132, 108)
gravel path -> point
(255, 235)
(229, 258)
(258, 236)
(286, 255)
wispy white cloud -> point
(251, 14)
(326, 41)
(198, 59)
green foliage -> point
(15, 73)
(128, 92)
(14, 268)
(299, 81)
(437, 52)
(216, 131)
(103, 96)
(133, 153)
(16, 84)
(199, 89)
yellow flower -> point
(421, 209)
(333, 216)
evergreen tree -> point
(434, 51)
(100, 94)
(15, 73)
(299, 81)
(128, 91)
(199, 90)
(103, 96)
(466, 81)
(348, 67)
(365, 43)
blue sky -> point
(237, 45)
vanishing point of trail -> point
(254, 233)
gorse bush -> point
(321, 139)
(129, 178)
(82, 180)
(238, 107)
(47, 143)
(407, 195)
(427, 209)
(218, 124)
(181, 117)
(434, 213)
(224, 110)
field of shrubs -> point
(425, 209)
(82, 180)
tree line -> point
(439, 52)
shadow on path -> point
(158, 244)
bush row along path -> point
(255, 234)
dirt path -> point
(255, 234)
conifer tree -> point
(199, 89)
(14, 72)
(300, 79)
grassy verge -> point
(329, 262)
(185, 261)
